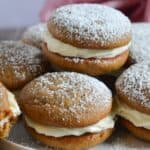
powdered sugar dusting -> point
(17, 56)
(140, 50)
(33, 34)
(135, 83)
(91, 22)
(78, 60)
(75, 60)
(74, 93)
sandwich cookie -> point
(67, 110)
(87, 38)
(9, 111)
(19, 64)
(133, 99)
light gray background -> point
(19, 13)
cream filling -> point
(13, 107)
(137, 118)
(64, 49)
(103, 124)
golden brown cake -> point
(20, 63)
(133, 98)
(140, 50)
(87, 38)
(67, 110)
(33, 35)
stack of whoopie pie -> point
(69, 110)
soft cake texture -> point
(141, 133)
(69, 102)
(133, 94)
(133, 87)
(33, 35)
(91, 66)
(140, 50)
(87, 38)
(19, 63)
(90, 26)
(72, 142)
(66, 100)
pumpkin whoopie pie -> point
(20, 63)
(67, 110)
(87, 38)
(133, 99)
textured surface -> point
(90, 26)
(140, 50)
(133, 86)
(19, 63)
(32, 35)
(141, 133)
(66, 99)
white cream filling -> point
(13, 105)
(103, 124)
(14, 108)
(56, 46)
(137, 118)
